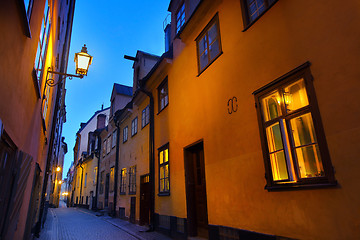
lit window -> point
(45, 102)
(43, 39)
(132, 180)
(134, 126)
(180, 17)
(254, 8)
(145, 117)
(123, 181)
(125, 134)
(164, 174)
(209, 44)
(95, 175)
(163, 95)
(112, 179)
(292, 135)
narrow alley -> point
(76, 224)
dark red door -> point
(144, 199)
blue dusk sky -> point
(110, 29)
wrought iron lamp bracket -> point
(51, 81)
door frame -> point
(192, 219)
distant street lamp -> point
(58, 169)
(82, 61)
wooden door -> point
(144, 199)
(107, 182)
(132, 209)
(196, 199)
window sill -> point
(122, 193)
(297, 186)
(132, 193)
(162, 109)
(164, 194)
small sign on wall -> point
(232, 105)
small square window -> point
(163, 95)
(253, 9)
(125, 134)
(134, 126)
(180, 17)
(145, 116)
(208, 44)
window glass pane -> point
(161, 185)
(212, 33)
(202, 45)
(166, 173)
(309, 161)
(302, 129)
(161, 157)
(204, 60)
(162, 172)
(278, 166)
(274, 138)
(214, 50)
(271, 106)
(167, 185)
(166, 152)
(295, 96)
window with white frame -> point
(125, 134)
(104, 148)
(145, 116)
(293, 141)
(134, 126)
(163, 95)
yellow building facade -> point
(252, 135)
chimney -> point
(82, 125)
(101, 121)
(167, 31)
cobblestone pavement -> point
(76, 224)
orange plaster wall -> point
(289, 34)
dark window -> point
(145, 117)
(134, 126)
(163, 95)
(43, 39)
(164, 174)
(208, 44)
(132, 180)
(293, 141)
(123, 181)
(253, 9)
(180, 17)
(102, 182)
(125, 134)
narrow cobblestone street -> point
(76, 224)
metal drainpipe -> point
(151, 160)
(116, 164)
(81, 182)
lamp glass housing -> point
(83, 61)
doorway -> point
(144, 199)
(107, 182)
(196, 200)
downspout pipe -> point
(151, 159)
(117, 124)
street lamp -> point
(58, 169)
(82, 61)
